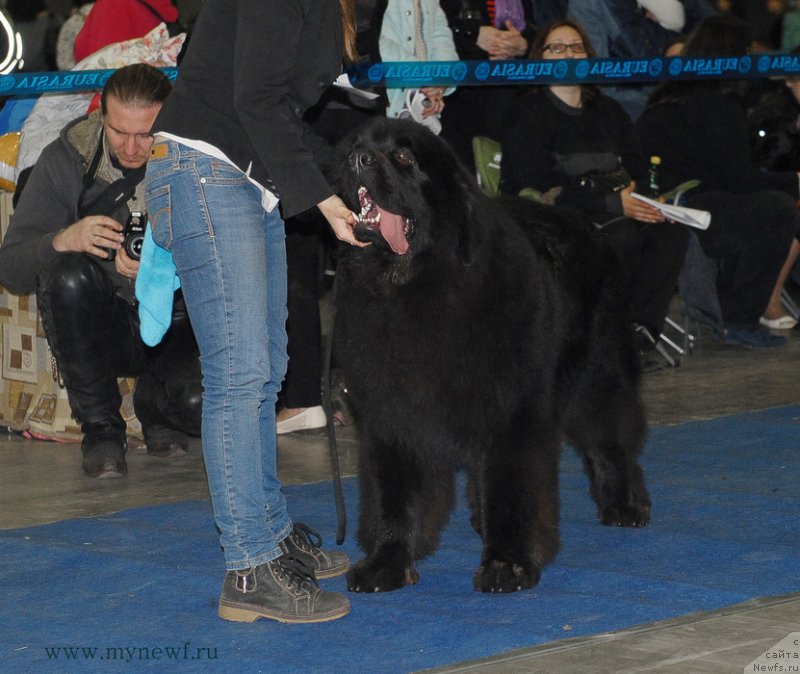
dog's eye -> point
(405, 157)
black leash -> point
(327, 405)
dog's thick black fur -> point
(476, 336)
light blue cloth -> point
(156, 283)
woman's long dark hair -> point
(536, 51)
(713, 37)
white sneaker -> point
(784, 322)
(310, 418)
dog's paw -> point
(626, 515)
(496, 576)
(371, 577)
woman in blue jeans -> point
(229, 144)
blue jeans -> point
(231, 260)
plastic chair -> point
(487, 153)
(696, 287)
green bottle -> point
(655, 163)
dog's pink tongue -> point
(391, 226)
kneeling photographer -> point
(75, 238)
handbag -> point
(605, 182)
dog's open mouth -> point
(396, 229)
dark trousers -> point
(302, 386)
(651, 255)
(94, 336)
(749, 239)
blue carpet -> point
(141, 587)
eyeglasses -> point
(560, 47)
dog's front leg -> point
(388, 482)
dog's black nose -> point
(359, 159)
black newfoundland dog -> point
(480, 337)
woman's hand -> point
(341, 219)
(511, 44)
(436, 97)
(639, 210)
(502, 44)
(94, 234)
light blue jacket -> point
(396, 41)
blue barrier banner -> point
(24, 84)
(408, 74)
(397, 74)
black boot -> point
(88, 328)
(103, 451)
(169, 394)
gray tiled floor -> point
(42, 482)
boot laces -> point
(305, 537)
(295, 572)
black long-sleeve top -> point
(549, 144)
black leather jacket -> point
(252, 69)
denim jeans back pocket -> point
(222, 173)
(159, 213)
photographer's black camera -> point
(134, 234)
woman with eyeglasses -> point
(578, 149)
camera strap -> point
(112, 196)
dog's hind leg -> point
(609, 438)
(518, 497)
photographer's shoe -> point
(103, 456)
(306, 545)
(283, 589)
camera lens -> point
(133, 246)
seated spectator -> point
(66, 241)
(415, 30)
(112, 21)
(699, 129)
(635, 29)
(773, 125)
(481, 32)
(765, 18)
(569, 142)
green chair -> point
(487, 153)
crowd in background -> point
(533, 121)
